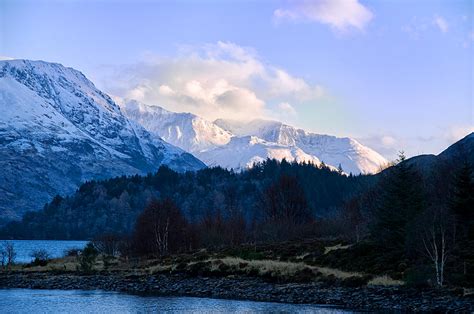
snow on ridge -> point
(60, 130)
(185, 130)
(234, 144)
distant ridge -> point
(237, 145)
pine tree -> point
(462, 201)
(339, 169)
(399, 202)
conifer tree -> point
(339, 169)
(462, 202)
(399, 202)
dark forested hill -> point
(112, 206)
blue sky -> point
(397, 75)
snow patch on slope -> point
(57, 130)
(184, 130)
(233, 144)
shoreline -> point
(249, 288)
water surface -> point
(55, 248)
(80, 301)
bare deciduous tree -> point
(161, 229)
(436, 233)
(285, 208)
(3, 257)
(7, 254)
(161, 233)
(108, 244)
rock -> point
(346, 294)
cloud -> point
(2, 58)
(418, 27)
(387, 145)
(221, 80)
(388, 141)
(441, 23)
(338, 14)
(287, 108)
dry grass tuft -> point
(56, 264)
(286, 269)
(265, 266)
(337, 273)
(158, 269)
(336, 247)
(384, 281)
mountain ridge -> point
(58, 130)
(279, 141)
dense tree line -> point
(419, 219)
(112, 206)
(405, 220)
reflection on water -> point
(79, 301)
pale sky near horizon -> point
(397, 75)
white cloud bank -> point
(441, 23)
(220, 80)
(338, 14)
(286, 108)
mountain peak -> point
(185, 130)
(60, 130)
(236, 144)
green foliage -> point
(87, 258)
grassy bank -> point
(283, 262)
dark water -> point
(79, 301)
(55, 248)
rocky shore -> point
(247, 288)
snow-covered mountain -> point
(185, 130)
(58, 130)
(238, 145)
(243, 152)
(334, 151)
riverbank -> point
(248, 288)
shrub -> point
(108, 244)
(40, 257)
(87, 258)
(73, 252)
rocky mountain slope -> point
(185, 130)
(58, 130)
(238, 145)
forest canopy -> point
(112, 206)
